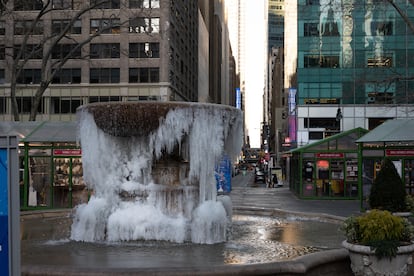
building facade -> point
(354, 67)
(97, 51)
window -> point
(144, 75)
(59, 25)
(312, 2)
(24, 105)
(383, 61)
(381, 28)
(70, 75)
(104, 75)
(327, 123)
(144, 25)
(105, 50)
(144, 50)
(137, 4)
(61, 51)
(28, 27)
(3, 105)
(29, 76)
(96, 99)
(67, 4)
(28, 5)
(105, 26)
(2, 76)
(321, 61)
(32, 51)
(2, 52)
(110, 4)
(2, 28)
(65, 105)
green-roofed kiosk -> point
(327, 169)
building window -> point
(139, 4)
(315, 135)
(31, 51)
(28, 27)
(29, 76)
(144, 50)
(2, 28)
(67, 4)
(327, 123)
(105, 26)
(105, 50)
(28, 5)
(70, 75)
(2, 76)
(381, 28)
(59, 25)
(24, 105)
(383, 61)
(61, 51)
(99, 4)
(380, 93)
(312, 2)
(104, 75)
(2, 52)
(144, 75)
(65, 105)
(321, 61)
(144, 25)
(3, 105)
(97, 99)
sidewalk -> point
(245, 193)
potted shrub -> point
(379, 243)
(388, 191)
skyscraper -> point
(354, 66)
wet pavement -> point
(247, 194)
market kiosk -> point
(394, 139)
(50, 164)
(328, 168)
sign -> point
(223, 175)
(399, 152)
(238, 98)
(330, 155)
(9, 207)
(70, 152)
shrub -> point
(380, 230)
(388, 191)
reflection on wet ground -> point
(254, 240)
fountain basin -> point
(259, 246)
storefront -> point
(328, 168)
(50, 164)
(394, 139)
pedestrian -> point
(274, 180)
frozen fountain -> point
(151, 168)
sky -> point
(255, 68)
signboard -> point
(223, 175)
(399, 152)
(9, 207)
(238, 98)
(67, 152)
(330, 155)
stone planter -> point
(364, 261)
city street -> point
(247, 194)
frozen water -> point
(116, 167)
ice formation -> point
(133, 198)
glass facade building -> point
(355, 65)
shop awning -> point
(397, 130)
(41, 131)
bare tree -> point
(44, 47)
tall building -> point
(118, 50)
(348, 64)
